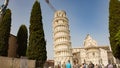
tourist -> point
(114, 65)
(77, 65)
(83, 65)
(103, 66)
(59, 66)
(68, 65)
(86, 65)
(91, 65)
(109, 66)
(74, 64)
(63, 65)
(96, 66)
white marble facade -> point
(61, 38)
(91, 52)
(63, 50)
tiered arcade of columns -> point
(61, 38)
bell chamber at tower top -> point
(60, 13)
(3, 7)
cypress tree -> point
(22, 36)
(5, 25)
(117, 44)
(114, 24)
(37, 43)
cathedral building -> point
(92, 52)
(63, 51)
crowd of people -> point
(84, 65)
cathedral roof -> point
(89, 42)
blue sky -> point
(85, 17)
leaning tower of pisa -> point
(61, 38)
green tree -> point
(114, 24)
(5, 25)
(37, 43)
(117, 40)
(22, 36)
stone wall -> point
(6, 62)
(12, 48)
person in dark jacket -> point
(91, 65)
